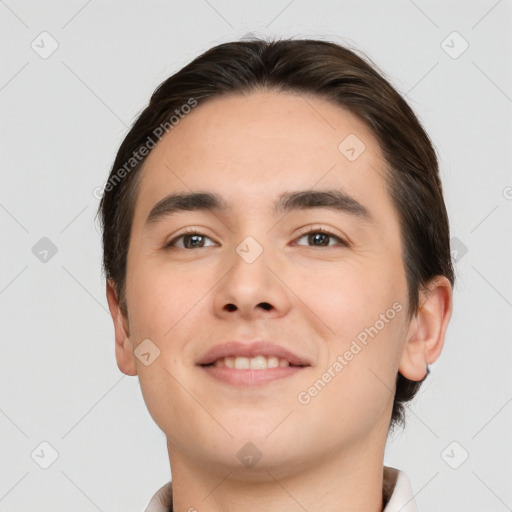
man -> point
(276, 248)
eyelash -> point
(303, 232)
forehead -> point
(251, 148)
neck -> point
(347, 479)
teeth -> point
(242, 363)
(258, 363)
(253, 363)
(272, 362)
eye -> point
(319, 237)
(194, 238)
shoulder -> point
(397, 488)
(161, 500)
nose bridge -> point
(250, 249)
(250, 273)
(250, 287)
(252, 231)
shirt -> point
(396, 485)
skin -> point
(324, 455)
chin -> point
(249, 460)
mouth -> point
(251, 364)
(260, 362)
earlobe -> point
(426, 334)
(123, 346)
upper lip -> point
(251, 349)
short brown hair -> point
(327, 70)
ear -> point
(123, 346)
(426, 333)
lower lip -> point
(251, 377)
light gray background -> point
(62, 120)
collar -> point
(396, 485)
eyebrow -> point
(288, 201)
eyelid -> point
(187, 231)
(321, 229)
(302, 232)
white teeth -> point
(272, 362)
(242, 363)
(253, 363)
(258, 363)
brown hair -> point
(327, 70)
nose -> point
(253, 287)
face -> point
(317, 287)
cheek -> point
(160, 297)
(356, 398)
(352, 295)
(162, 305)
(365, 310)
(355, 386)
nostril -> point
(265, 305)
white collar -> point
(396, 483)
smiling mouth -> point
(246, 364)
(241, 371)
(259, 362)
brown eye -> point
(191, 240)
(321, 238)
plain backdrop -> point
(74, 76)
